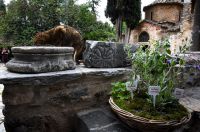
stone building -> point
(196, 26)
(165, 19)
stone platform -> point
(47, 102)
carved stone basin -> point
(41, 59)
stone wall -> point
(153, 31)
(170, 13)
(181, 38)
(47, 102)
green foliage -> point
(132, 13)
(102, 32)
(93, 5)
(24, 18)
(44, 14)
(157, 67)
(153, 66)
(119, 91)
(111, 10)
(80, 17)
(128, 11)
(2, 8)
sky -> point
(102, 7)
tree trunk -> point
(127, 35)
(196, 28)
(119, 29)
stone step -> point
(191, 103)
(191, 99)
(100, 120)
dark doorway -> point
(144, 37)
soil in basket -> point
(144, 108)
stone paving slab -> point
(113, 128)
(98, 117)
(191, 103)
(100, 120)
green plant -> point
(119, 91)
(24, 18)
(122, 12)
(154, 65)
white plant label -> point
(136, 81)
(130, 87)
(178, 93)
(154, 91)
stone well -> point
(41, 59)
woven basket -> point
(147, 125)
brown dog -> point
(62, 36)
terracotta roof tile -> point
(156, 2)
(167, 26)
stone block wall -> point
(47, 102)
(154, 31)
(190, 77)
(170, 13)
(190, 73)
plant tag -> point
(136, 81)
(178, 93)
(154, 90)
(130, 86)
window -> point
(144, 37)
(151, 15)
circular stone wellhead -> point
(33, 59)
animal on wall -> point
(62, 35)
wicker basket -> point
(147, 125)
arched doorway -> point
(144, 37)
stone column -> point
(196, 27)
